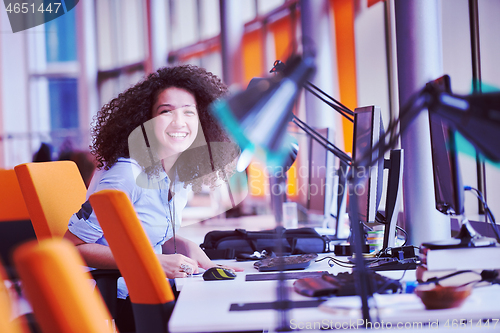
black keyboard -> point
(343, 284)
(285, 263)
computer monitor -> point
(320, 175)
(448, 186)
(368, 129)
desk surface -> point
(203, 306)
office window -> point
(110, 87)
(213, 62)
(122, 44)
(121, 38)
(265, 6)
(184, 19)
(209, 18)
(248, 10)
(60, 38)
(53, 115)
(63, 103)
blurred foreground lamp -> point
(476, 117)
(257, 118)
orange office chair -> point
(53, 191)
(57, 287)
(12, 203)
(15, 224)
(150, 292)
(8, 324)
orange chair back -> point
(12, 206)
(53, 191)
(7, 323)
(58, 288)
(132, 250)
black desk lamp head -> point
(257, 118)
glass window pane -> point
(106, 45)
(131, 31)
(63, 103)
(248, 10)
(213, 63)
(265, 6)
(121, 34)
(108, 89)
(210, 18)
(60, 38)
(184, 23)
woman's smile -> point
(178, 135)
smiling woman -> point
(155, 142)
(175, 124)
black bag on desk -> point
(228, 244)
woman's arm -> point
(95, 255)
(100, 256)
(193, 251)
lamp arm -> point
(333, 106)
(279, 67)
(341, 108)
(325, 143)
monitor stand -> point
(394, 194)
(467, 237)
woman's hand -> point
(177, 265)
(194, 252)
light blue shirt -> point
(149, 196)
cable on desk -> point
(380, 218)
(345, 264)
(487, 210)
(404, 232)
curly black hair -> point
(131, 110)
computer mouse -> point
(218, 273)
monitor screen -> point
(320, 173)
(448, 187)
(368, 129)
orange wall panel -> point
(343, 11)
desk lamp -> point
(258, 124)
(257, 119)
(344, 159)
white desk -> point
(203, 306)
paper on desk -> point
(384, 303)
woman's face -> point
(176, 121)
